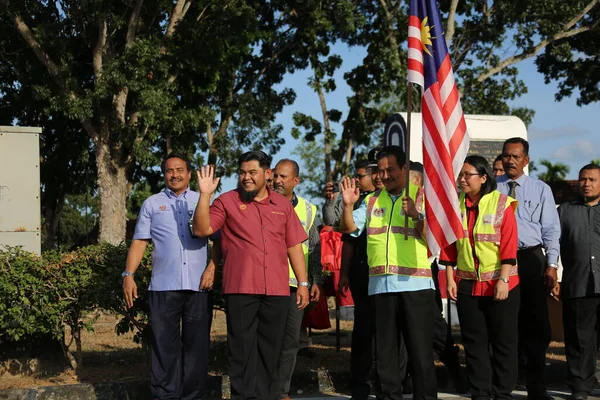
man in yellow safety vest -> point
(399, 275)
(286, 176)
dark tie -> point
(513, 186)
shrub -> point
(44, 295)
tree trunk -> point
(52, 213)
(113, 188)
(327, 126)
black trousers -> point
(255, 329)
(443, 342)
(534, 323)
(405, 317)
(363, 330)
(289, 348)
(484, 323)
(180, 322)
(579, 320)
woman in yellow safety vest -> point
(485, 286)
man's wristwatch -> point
(126, 273)
(419, 217)
(505, 280)
(555, 266)
(305, 284)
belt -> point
(531, 248)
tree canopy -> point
(117, 85)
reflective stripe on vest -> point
(306, 212)
(387, 251)
(486, 235)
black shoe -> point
(306, 352)
(542, 396)
(407, 385)
(579, 396)
(461, 385)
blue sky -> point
(560, 131)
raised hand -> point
(349, 190)
(329, 192)
(207, 184)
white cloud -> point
(557, 133)
(579, 151)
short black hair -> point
(395, 151)
(181, 156)
(295, 165)
(517, 140)
(498, 158)
(362, 164)
(416, 167)
(264, 161)
(588, 167)
(483, 168)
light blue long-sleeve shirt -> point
(178, 259)
(389, 283)
(537, 218)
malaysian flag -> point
(445, 137)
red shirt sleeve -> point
(509, 238)
(449, 255)
(217, 214)
(294, 232)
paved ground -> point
(557, 394)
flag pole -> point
(407, 151)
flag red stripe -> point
(415, 21)
(415, 65)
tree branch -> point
(533, 50)
(42, 56)
(120, 99)
(389, 23)
(267, 64)
(450, 24)
(98, 52)
(133, 23)
(179, 11)
(52, 69)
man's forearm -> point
(135, 255)
(420, 226)
(348, 225)
(297, 262)
(348, 249)
(201, 220)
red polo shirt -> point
(255, 237)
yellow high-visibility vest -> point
(388, 252)
(307, 213)
(486, 236)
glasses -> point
(467, 175)
(359, 176)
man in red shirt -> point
(260, 231)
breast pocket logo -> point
(488, 219)
(379, 212)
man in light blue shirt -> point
(179, 300)
(400, 282)
(539, 227)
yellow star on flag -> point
(426, 36)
